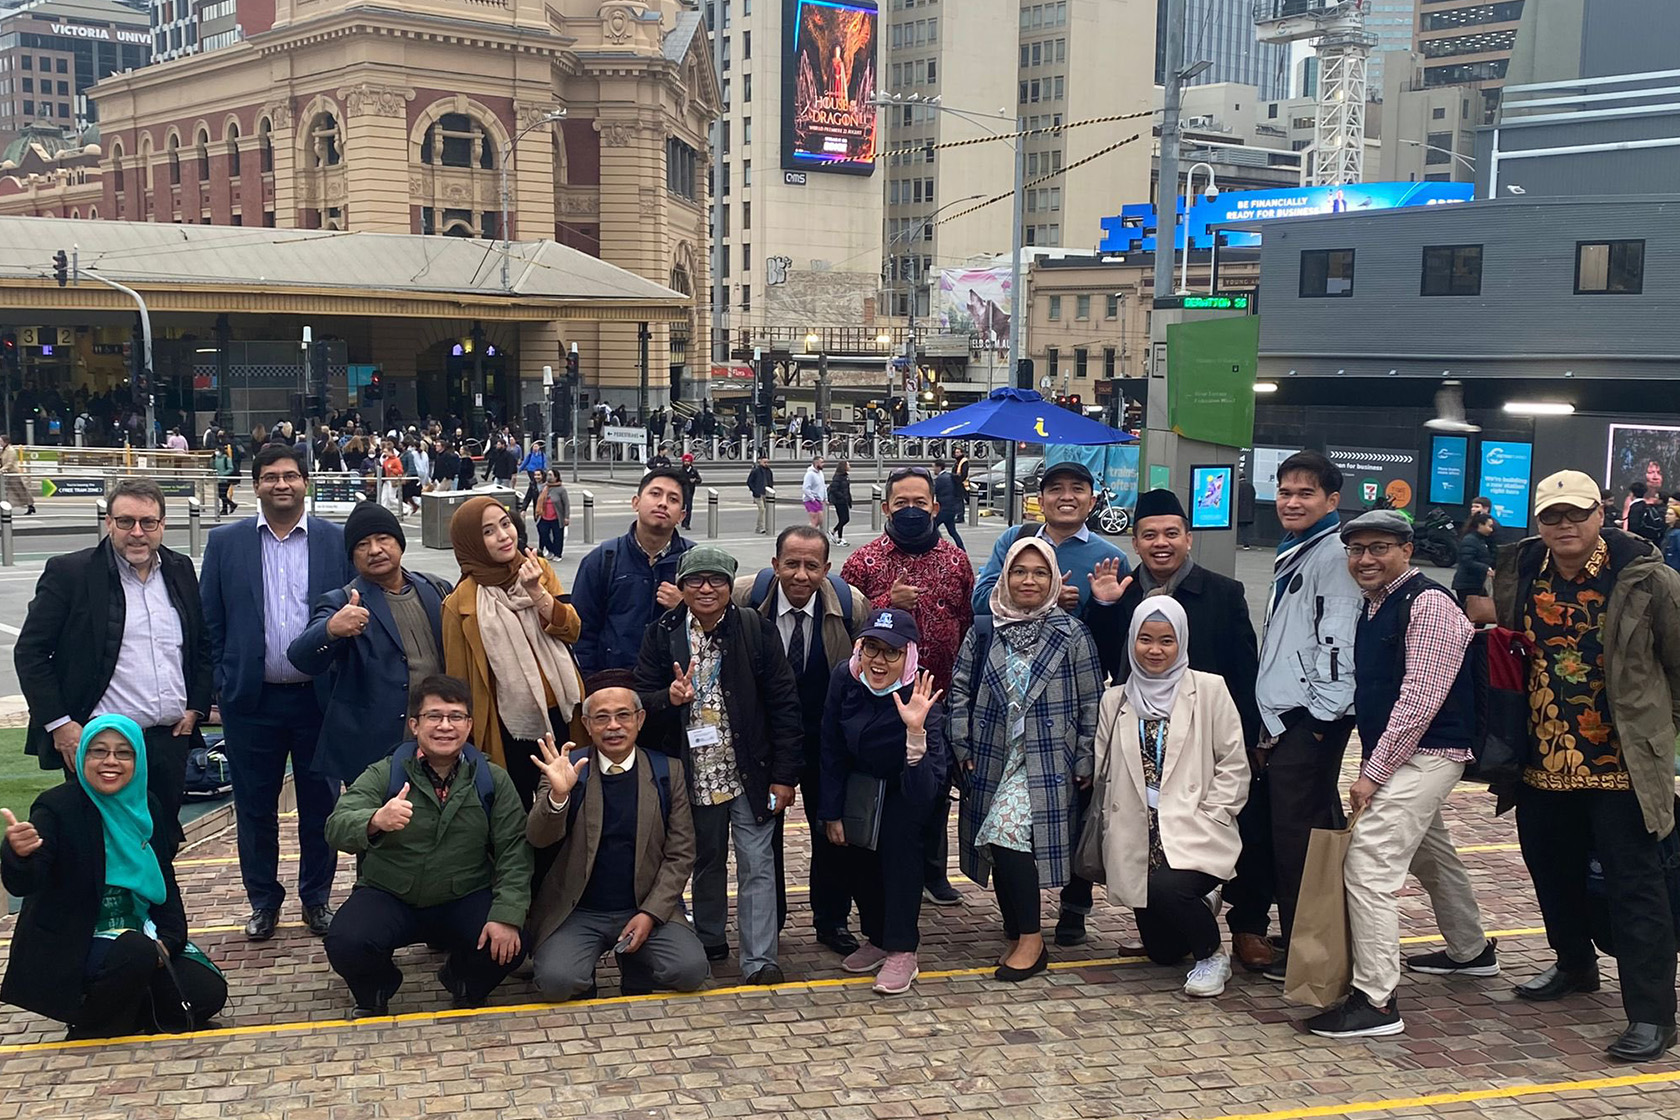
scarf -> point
(913, 530)
(523, 656)
(1152, 697)
(911, 660)
(130, 862)
(466, 536)
(1292, 553)
(1019, 627)
(1148, 583)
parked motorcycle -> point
(1434, 540)
(1108, 516)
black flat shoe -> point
(1641, 1042)
(839, 940)
(717, 952)
(1555, 983)
(260, 925)
(318, 919)
(1016, 975)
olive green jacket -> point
(447, 851)
(1641, 657)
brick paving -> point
(1102, 1035)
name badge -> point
(1152, 794)
(705, 735)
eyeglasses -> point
(127, 524)
(435, 719)
(101, 754)
(886, 654)
(290, 478)
(1557, 515)
(706, 579)
(1378, 550)
(607, 719)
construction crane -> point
(1337, 29)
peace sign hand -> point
(21, 836)
(682, 688)
(1106, 585)
(556, 766)
(922, 697)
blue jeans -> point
(285, 722)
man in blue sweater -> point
(1066, 496)
(629, 581)
(534, 465)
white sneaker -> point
(1207, 979)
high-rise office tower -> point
(1222, 33)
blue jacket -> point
(614, 596)
(1671, 549)
(1074, 555)
(366, 677)
(231, 586)
(535, 461)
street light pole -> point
(1212, 192)
(507, 156)
(146, 343)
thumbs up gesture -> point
(350, 619)
(393, 816)
(21, 836)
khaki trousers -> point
(1402, 830)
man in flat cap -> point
(1415, 707)
(1603, 612)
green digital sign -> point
(1216, 303)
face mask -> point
(912, 529)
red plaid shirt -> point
(945, 610)
(1436, 638)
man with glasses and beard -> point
(913, 568)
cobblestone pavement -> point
(1102, 1035)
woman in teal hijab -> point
(101, 943)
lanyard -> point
(1159, 746)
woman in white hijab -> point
(1171, 776)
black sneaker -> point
(1278, 970)
(1356, 1018)
(1485, 963)
(1070, 928)
(942, 894)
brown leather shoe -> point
(1253, 951)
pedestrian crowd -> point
(529, 776)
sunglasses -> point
(1557, 515)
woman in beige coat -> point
(1172, 775)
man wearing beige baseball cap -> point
(1603, 612)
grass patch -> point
(21, 777)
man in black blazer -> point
(1221, 641)
(118, 629)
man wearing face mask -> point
(912, 568)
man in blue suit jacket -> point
(370, 640)
(259, 577)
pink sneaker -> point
(897, 974)
(866, 959)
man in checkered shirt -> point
(1416, 714)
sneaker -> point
(1278, 971)
(1207, 979)
(1356, 1018)
(1070, 928)
(866, 959)
(897, 974)
(942, 894)
(1485, 963)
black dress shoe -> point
(260, 925)
(1015, 975)
(766, 976)
(1070, 928)
(377, 1011)
(1555, 983)
(840, 940)
(1641, 1042)
(318, 919)
(717, 952)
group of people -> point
(523, 773)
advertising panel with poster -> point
(1641, 453)
(977, 302)
(828, 86)
(1370, 474)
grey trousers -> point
(670, 960)
(755, 880)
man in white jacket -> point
(1305, 685)
(814, 492)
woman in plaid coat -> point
(1023, 727)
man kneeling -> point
(440, 833)
(620, 815)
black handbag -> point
(170, 1010)
(861, 816)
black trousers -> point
(1177, 921)
(1304, 772)
(887, 882)
(936, 839)
(948, 518)
(1076, 892)
(518, 756)
(1015, 882)
(1249, 896)
(831, 875)
(1559, 831)
(123, 979)
(373, 924)
(842, 518)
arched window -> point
(265, 144)
(325, 148)
(233, 149)
(174, 160)
(458, 140)
(76, 213)
(117, 175)
(203, 156)
(93, 213)
(146, 160)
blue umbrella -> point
(1017, 415)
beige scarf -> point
(522, 656)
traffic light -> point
(1074, 404)
(61, 268)
(9, 349)
(1024, 373)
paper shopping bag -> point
(1320, 968)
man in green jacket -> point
(443, 859)
(1603, 612)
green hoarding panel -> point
(1210, 368)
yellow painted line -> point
(1490, 848)
(1504, 1092)
(312, 1026)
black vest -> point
(1379, 665)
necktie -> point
(796, 644)
(614, 768)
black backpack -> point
(208, 776)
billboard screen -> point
(976, 302)
(1133, 229)
(828, 86)
(1506, 467)
(1641, 453)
